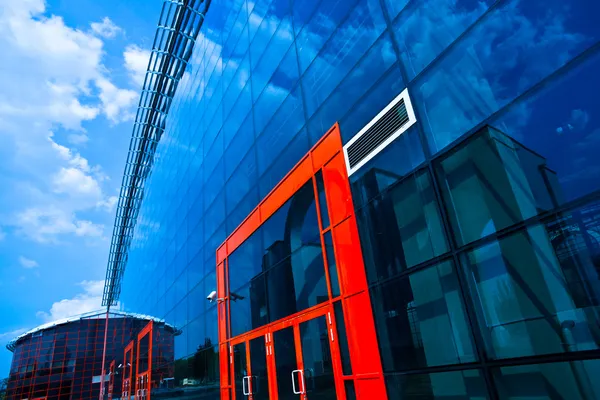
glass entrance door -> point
(144, 363)
(304, 363)
(126, 387)
(111, 380)
(249, 369)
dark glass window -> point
(245, 263)
(350, 390)
(401, 228)
(492, 182)
(576, 380)
(467, 385)
(342, 338)
(297, 283)
(248, 306)
(322, 200)
(293, 225)
(331, 264)
(538, 290)
(413, 313)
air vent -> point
(390, 123)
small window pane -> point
(342, 338)
(322, 200)
(331, 264)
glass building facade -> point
(478, 228)
(63, 360)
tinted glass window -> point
(538, 289)
(400, 228)
(245, 262)
(413, 313)
(576, 380)
(438, 386)
(492, 182)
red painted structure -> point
(366, 377)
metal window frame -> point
(178, 28)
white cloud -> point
(136, 62)
(47, 224)
(116, 103)
(89, 300)
(75, 181)
(6, 337)
(28, 263)
(109, 204)
(53, 79)
(106, 29)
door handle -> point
(246, 391)
(301, 380)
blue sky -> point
(69, 85)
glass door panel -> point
(127, 372)
(286, 364)
(259, 382)
(142, 392)
(315, 339)
(144, 363)
(240, 371)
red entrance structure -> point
(308, 353)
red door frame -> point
(144, 375)
(246, 338)
(127, 385)
(326, 156)
(111, 380)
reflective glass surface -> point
(478, 224)
(413, 313)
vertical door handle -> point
(300, 380)
(244, 389)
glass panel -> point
(412, 314)
(143, 360)
(240, 370)
(563, 131)
(342, 338)
(258, 366)
(350, 391)
(249, 307)
(322, 200)
(284, 350)
(490, 183)
(295, 224)
(331, 264)
(530, 41)
(467, 385)
(245, 263)
(297, 283)
(539, 289)
(316, 355)
(401, 228)
(576, 380)
(425, 29)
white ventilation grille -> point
(390, 123)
